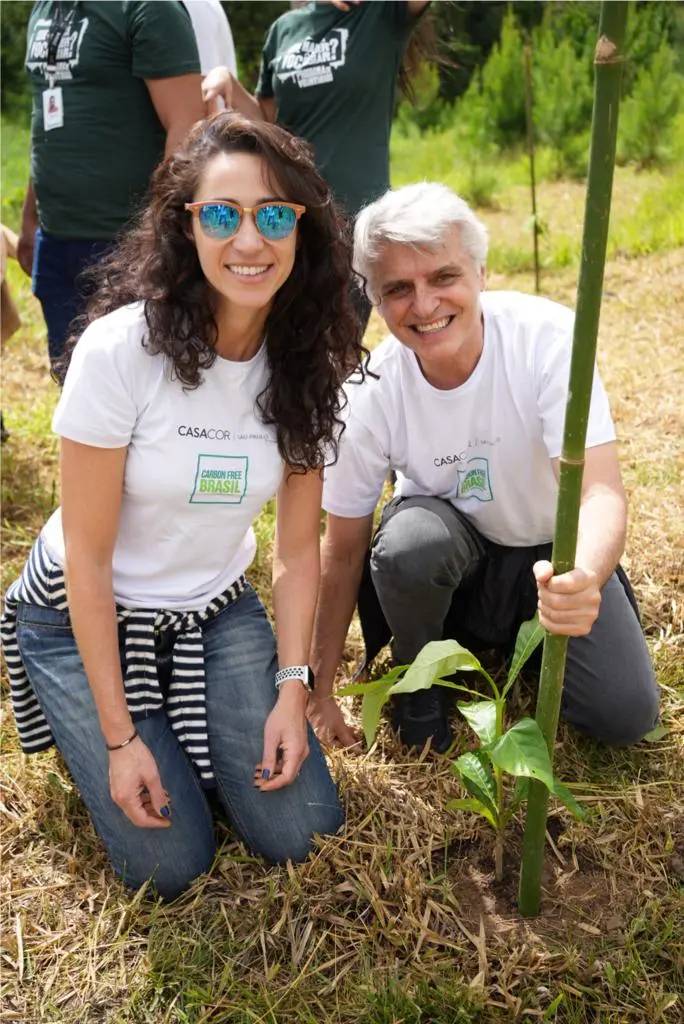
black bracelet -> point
(118, 746)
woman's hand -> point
(136, 788)
(217, 89)
(286, 745)
(328, 723)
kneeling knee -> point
(297, 843)
(171, 878)
(627, 724)
(413, 564)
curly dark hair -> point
(313, 334)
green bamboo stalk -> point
(608, 61)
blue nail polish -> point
(166, 813)
(265, 773)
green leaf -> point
(374, 700)
(566, 798)
(377, 684)
(656, 734)
(476, 775)
(530, 635)
(472, 805)
(437, 659)
(522, 751)
(481, 717)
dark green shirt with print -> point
(91, 174)
(333, 75)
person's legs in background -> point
(58, 264)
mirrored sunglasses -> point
(221, 220)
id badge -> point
(53, 108)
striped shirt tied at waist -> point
(42, 583)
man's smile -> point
(432, 326)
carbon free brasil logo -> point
(474, 482)
(220, 480)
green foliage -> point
(522, 752)
(475, 772)
(562, 90)
(427, 109)
(15, 96)
(474, 135)
(649, 27)
(503, 86)
(648, 115)
(14, 154)
(481, 717)
(490, 113)
(530, 635)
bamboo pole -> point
(608, 61)
(530, 150)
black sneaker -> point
(418, 716)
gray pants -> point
(430, 568)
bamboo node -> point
(571, 462)
(607, 52)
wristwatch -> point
(301, 672)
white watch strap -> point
(300, 672)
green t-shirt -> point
(333, 76)
(90, 175)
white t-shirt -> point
(199, 468)
(485, 446)
(212, 33)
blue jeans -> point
(57, 264)
(240, 664)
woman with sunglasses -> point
(206, 381)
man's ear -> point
(483, 278)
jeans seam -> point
(195, 781)
(43, 626)
(232, 811)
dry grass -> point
(399, 919)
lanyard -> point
(59, 26)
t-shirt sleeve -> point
(264, 86)
(552, 392)
(162, 39)
(97, 405)
(353, 485)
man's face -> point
(430, 300)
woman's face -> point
(245, 270)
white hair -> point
(419, 215)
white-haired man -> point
(467, 407)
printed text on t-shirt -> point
(309, 62)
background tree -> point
(14, 97)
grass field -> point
(399, 920)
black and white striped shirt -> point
(42, 583)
